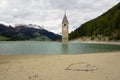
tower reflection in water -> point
(65, 48)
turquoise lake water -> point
(37, 47)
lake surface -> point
(36, 47)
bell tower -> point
(65, 30)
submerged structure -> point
(65, 30)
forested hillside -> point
(106, 25)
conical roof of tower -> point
(65, 20)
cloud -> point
(3, 3)
(50, 12)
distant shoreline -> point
(76, 41)
(97, 42)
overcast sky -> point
(50, 12)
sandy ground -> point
(100, 66)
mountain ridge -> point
(26, 32)
(106, 25)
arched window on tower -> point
(65, 24)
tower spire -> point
(65, 20)
(65, 30)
